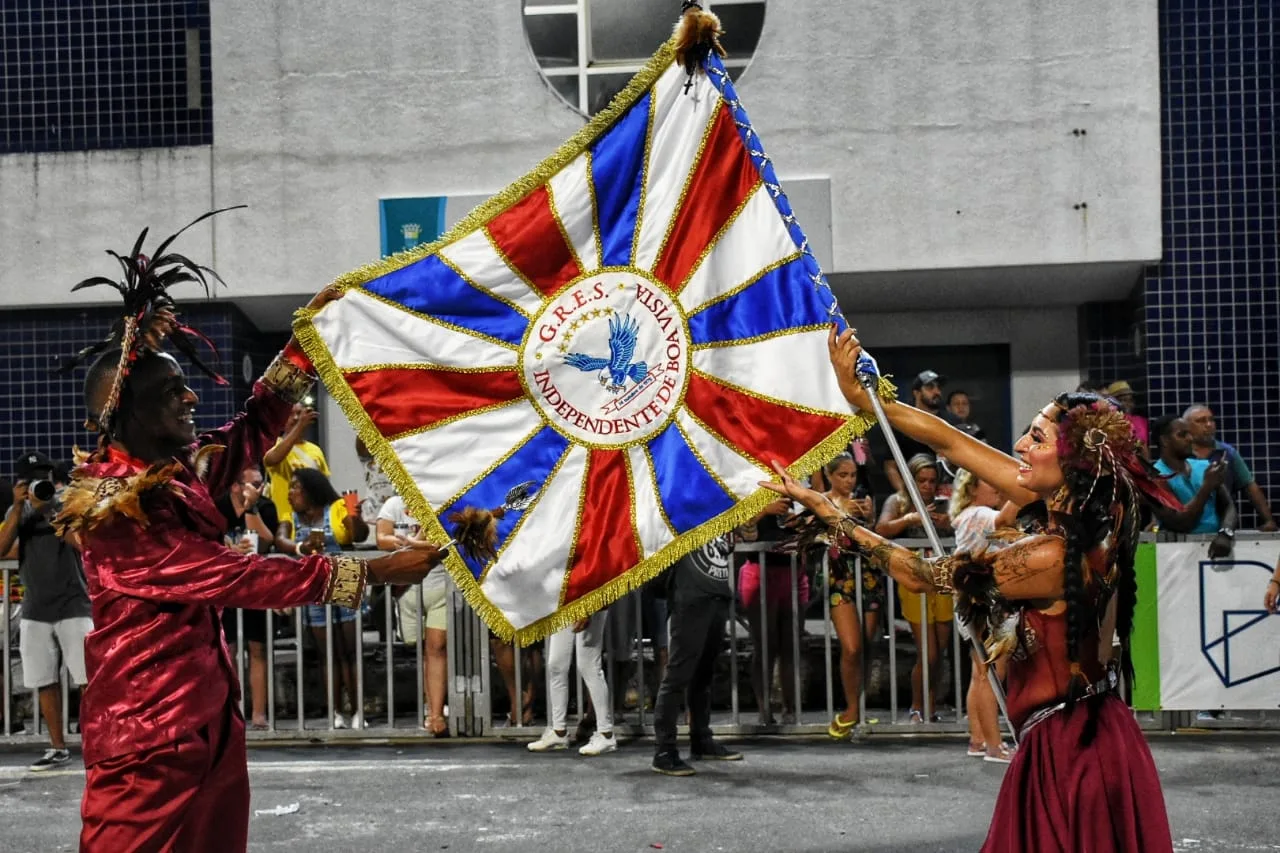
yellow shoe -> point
(840, 728)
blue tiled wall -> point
(1112, 344)
(46, 412)
(1213, 303)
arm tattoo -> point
(897, 560)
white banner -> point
(1218, 647)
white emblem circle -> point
(606, 360)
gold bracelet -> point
(346, 581)
(287, 381)
(944, 571)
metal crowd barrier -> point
(632, 654)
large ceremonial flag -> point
(615, 347)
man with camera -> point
(55, 601)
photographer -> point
(55, 604)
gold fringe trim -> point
(517, 190)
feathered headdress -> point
(148, 305)
(1096, 437)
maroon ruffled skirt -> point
(1061, 795)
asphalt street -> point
(908, 795)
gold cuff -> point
(287, 381)
(346, 581)
(944, 570)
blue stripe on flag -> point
(617, 170)
(755, 148)
(430, 287)
(688, 493)
(533, 461)
(782, 299)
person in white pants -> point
(588, 637)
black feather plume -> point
(145, 290)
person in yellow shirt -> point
(291, 453)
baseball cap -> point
(30, 462)
(927, 377)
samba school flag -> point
(609, 352)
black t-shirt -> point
(703, 573)
(50, 569)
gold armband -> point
(944, 570)
(287, 381)
(346, 581)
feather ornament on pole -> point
(697, 35)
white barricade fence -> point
(1219, 647)
(1217, 650)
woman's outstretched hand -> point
(844, 349)
(819, 503)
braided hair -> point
(1106, 483)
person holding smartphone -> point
(1198, 483)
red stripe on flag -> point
(528, 235)
(763, 430)
(400, 399)
(606, 540)
(721, 182)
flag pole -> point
(869, 379)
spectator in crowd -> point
(1271, 599)
(505, 657)
(1122, 393)
(1198, 484)
(1205, 443)
(844, 573)
(55, 601)
(641, 615)
(958, 406)
(771, 618)
(292, 453)
(251, 522)
(926, 395)
(587, 638)
(698, 595)
(378, 488)
(425, 604)
(926, 612)
(976, 516)
(319, 522)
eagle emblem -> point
(618, 367)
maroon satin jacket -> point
(157, 664)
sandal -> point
(437, 725)
(915, 716)
(841, 728)
(976, 750)
(1003, 755)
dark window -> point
(95, 74)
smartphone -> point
(1217, 455)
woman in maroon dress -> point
(1052, 601)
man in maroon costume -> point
(163, 736)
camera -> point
(43, 490)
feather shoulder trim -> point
(90, 502)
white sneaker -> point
(549, 741)
(357, 721)
(598, 745)
(339, 721)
